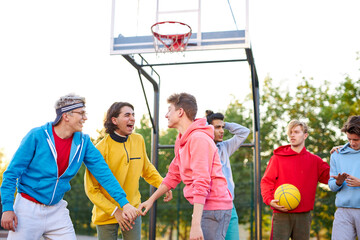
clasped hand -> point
(275, 204)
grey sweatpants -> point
(346, 224)
(214, 224)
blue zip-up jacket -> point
(228, 147)
(346, 161)
(33, 169)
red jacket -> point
(303, 170)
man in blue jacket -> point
(345, 180)
(47, 159)
(226, 149)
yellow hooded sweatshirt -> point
(128, 162)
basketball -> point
(288, 196)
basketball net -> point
(171, 36)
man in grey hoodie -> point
(226, 149)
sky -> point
(51, 48)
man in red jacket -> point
(293, 164)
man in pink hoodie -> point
(293, 164)
(198, 166)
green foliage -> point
(101, 135)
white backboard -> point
(215, 24)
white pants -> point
(38, 220)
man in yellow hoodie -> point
(125, 153)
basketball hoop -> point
(165, 40)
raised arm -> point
(240, 134)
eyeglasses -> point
(83, 114)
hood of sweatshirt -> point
(346, 149)
(199, 125)
(287, 151)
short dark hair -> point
(352, 125)
(185, 101)
(211, 116)
(114, 111)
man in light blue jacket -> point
(47, 159)
(345, 180)
(226, 149)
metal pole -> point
(257, 159)
(155, 138)
(154, 157)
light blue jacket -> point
(228, 147)
(33, 169)
(346, 161)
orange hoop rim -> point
(175, 38)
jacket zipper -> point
(127, 154)
(52, 198)
(53, 150)
(57, 180)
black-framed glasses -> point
(83, 113)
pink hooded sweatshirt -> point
(197, 164)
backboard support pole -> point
(256, 135)
(154, 137)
